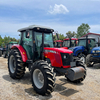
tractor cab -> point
(70, 42)
(10, 44)
(88, 43)
(35, 39)
(58, 43)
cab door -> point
(27, 43)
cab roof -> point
(35, 27)
(58, 41)
(71, 39)
(87, 38)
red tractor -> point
(70, 42)
(58, 43)
(36, 51)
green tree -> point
(61, 36)
(70, 34)
(82, 30)
(54, 37)
(5, 40)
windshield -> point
(82, 42)
(48, 39)
(66, 43)
(58, 44)
(72, 43)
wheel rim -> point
(82, 59)
(38, 78)
(12, 64)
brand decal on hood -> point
(46, 51)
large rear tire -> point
(15, 65)
(88, 63)
(43, 79)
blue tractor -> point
(85, 45)
(94, 57)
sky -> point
(60, 15)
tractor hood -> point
(61, 50)
(76, 47)
(95, 50)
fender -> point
(77, 52)
(22, 52)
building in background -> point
(93, 35)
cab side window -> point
(27, 43)
(27, 38)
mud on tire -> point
(46, 85)
(15, 65)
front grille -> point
(69, 58)
(96, 54)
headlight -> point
(98, 51)
(93, 51)
(65, 57)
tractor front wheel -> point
(42, 78)
(15, 65)
(88, 62)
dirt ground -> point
(22, 89)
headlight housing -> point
(98, 51)
(65, 56)
(93, 51)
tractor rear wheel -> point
(0, 53)
(15, 65)
(88, 63)
(43, 79)
(81, 79)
